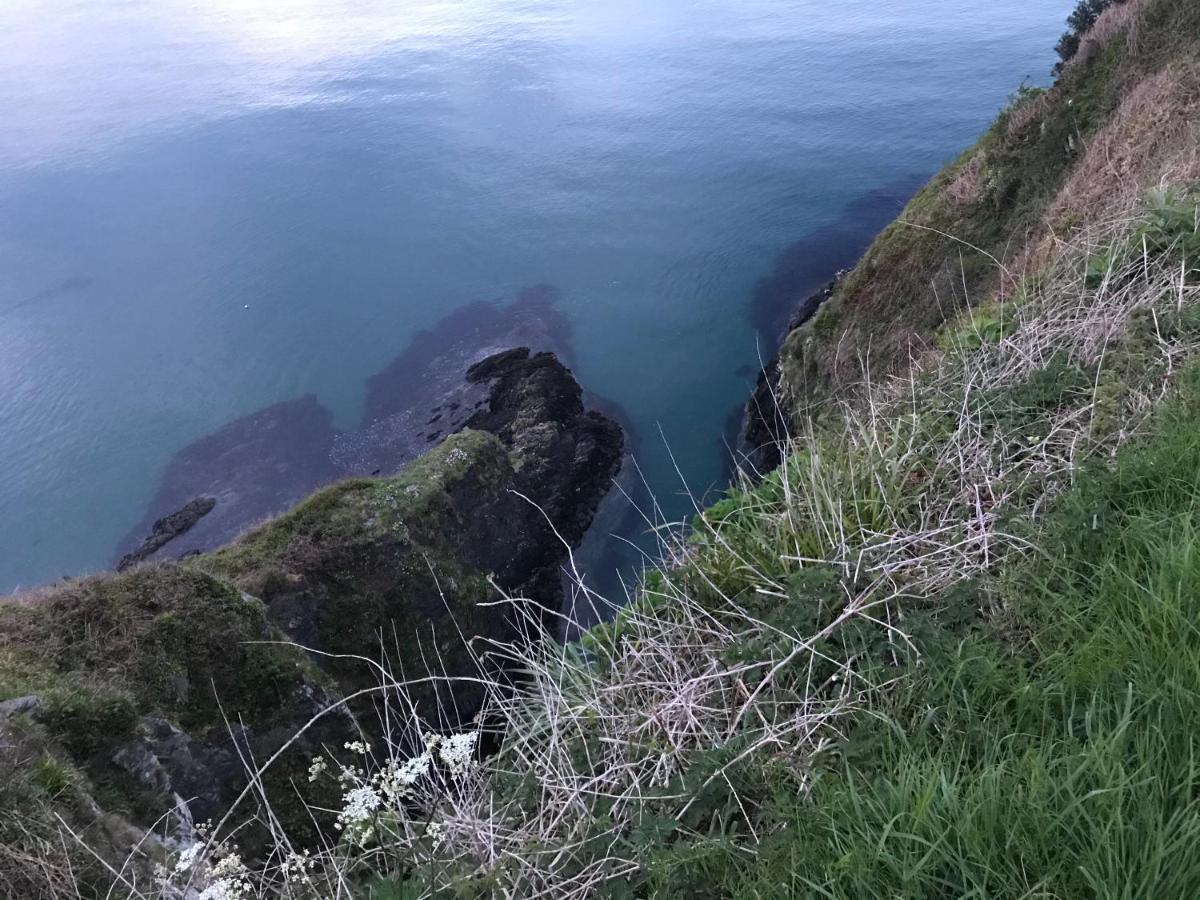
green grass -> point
(1054, 752)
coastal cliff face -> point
(147, 693)
(1121, 118)
(941, 650)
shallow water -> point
(210, 207)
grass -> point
(1052, 753)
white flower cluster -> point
(188, 857)
(396, 780)
(457, 752)
(297, 868)
(317, 769)
(228, 880)
(357, 818)
(366, 798)
(435, 833)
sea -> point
(215, 209)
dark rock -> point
(18, 706)
(401, 567)
(167, 529)
(567, 459)
(424, 385)
(766, 425)
(254, 467)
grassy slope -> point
(1003, 600)
(1045, 745)
(975, 227)
(1053, 751)
(946, 650)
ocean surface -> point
(208, 207)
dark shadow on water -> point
(68, 286)
(792, 292)
(810, 263)
(253, 467)
(264, 463)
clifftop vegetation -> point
(948, 648)
(1120, 120)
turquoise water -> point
(355, 171)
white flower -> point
(318, 767)
(457, 752)
(297, 866)
(360, 803)
(187, 857)
(230, 880)
(358, 811)
(396, 780)
(435, 833)
(356, 747)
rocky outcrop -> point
(766, 420)
(412, 564)
(165, 683)
(266, 462)
(167, 529)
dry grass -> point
(1027, 113)
(1152, 139)
(1153, 136)
(967, 185)
(1114, 22)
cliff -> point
(148, 695)
(1121, 118)
(945, 648)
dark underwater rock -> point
(262, 464)
(254, 467)
(167, 529)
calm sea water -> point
(355, 170)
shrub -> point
(1079, 23)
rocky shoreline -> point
(266, 462)
(203, 669)
(766, 423)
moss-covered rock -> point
(149, 696)
(375, 569)
(403, 571)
